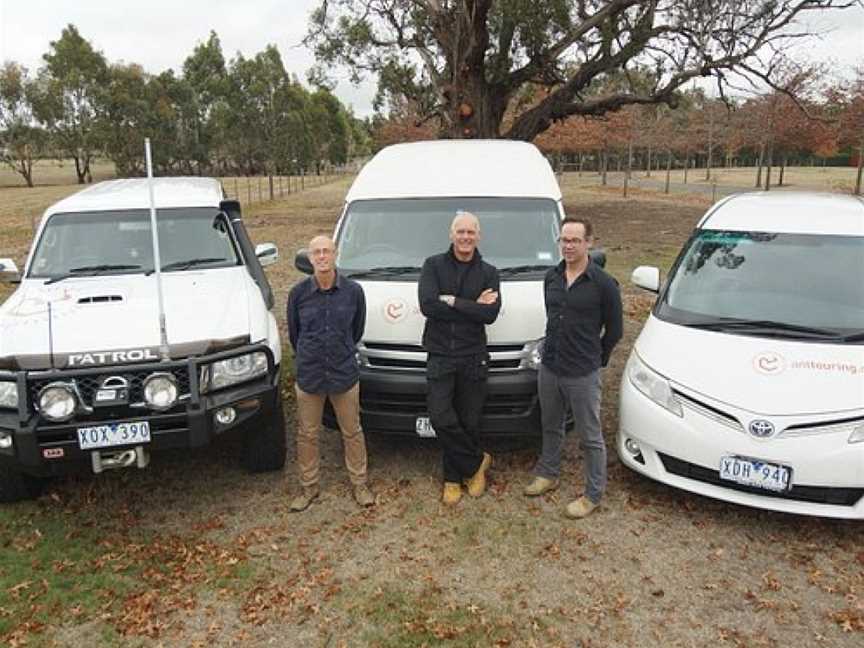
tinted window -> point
(798, 279)
(514, 232)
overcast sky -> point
(160, 34)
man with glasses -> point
(583, 324)
(326, 317)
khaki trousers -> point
(310, 408)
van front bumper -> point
(392, 401)
(686, 452)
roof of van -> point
(133, 194)
(456, 168)
(793, 212)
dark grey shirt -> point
(324, 327)
(583, 322)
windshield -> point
(758, 279)
(120, 242)
(400, 234)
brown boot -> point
(363, 496)
(302, 501)
(477, 483)
(452, 493)
(580, 508)
(539, 486)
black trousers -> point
(456, 393)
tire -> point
(266, 445)
(16, 486)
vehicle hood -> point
(393, 313)
(768, 376)
(114, 319)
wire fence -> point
(255, 189)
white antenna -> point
(157, 259)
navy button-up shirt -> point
(324, 327)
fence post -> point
(302, 179)
(249, 190)
(236, 190)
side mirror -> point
(302, 262)
(267, 253)
(647, 277)
(598, 256)
(9, 271)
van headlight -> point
(534, 354)
(233, 371)
(857, 435)
(9, 395)
(652, 384)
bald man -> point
(458, 294)
(326, 317)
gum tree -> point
(465, 60)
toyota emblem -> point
(761, 429)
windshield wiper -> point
(512, 270)
(188, 263)
(854, 337)
(92, 270)
(764, 326)
(384, 270)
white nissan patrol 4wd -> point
(87, 376)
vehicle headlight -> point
(857, 435)
(9, 395)
(57, 401)
(233, 370)
(534, 354)
(652, 384)
(160, 391)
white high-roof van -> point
(397, 213)
(747, 381)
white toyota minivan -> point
(747, 382)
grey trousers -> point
(583, 396)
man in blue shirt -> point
(326, 317)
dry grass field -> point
(194, 552)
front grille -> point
(415, 404)
(90, 382)
(812, 494)
(397, 363)
(382, 355)
(717, 415)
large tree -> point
(467, 59)
(21, 140)
(70, 85)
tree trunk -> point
(668, 171)
(686, 164)
(782, 169)
(79, 171)
(768, 165)
(648, 166)
(604, 164)
(759, 164)
(860, 169)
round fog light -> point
(57, 402)
(160, 391)
(226, 416)
(5, 440)
(632, 447)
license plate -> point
(113, 434)
(753, 472)
(424, 427)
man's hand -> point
(447, 299)
(488, 296)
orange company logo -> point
(769, 363)
(395, 310)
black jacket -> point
(461, 329)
